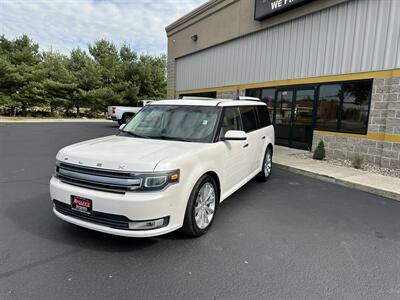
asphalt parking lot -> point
(291, 238)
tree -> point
(59, 83)
(319, 153)
(152, 77)
(105, 75)
(18, 62)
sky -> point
(67, 24)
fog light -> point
(151, 224)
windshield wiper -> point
(136, 135)
(171, 138)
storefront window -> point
(204, 94)
(344, 107)
(341, 106)
(328, 106)
(268, 97)
(355, 107)
(253, 93)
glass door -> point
(301, 127)
(294, 117)
(283, 116)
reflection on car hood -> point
(124, 153)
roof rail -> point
(249, 98)
(196, 98)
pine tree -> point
(319, 152)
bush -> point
(357, 161)
(319, 152)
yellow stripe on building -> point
(310, 80)
(375, 136)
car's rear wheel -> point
(202, 204)
(266, 170)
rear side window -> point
(231, 120)
(249, 118)
(263, 116)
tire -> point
(127, 118)
(266, 168)
(120, 122)
(197, 216)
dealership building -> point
(328, 69)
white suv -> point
(168, 168)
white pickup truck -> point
(123, 114)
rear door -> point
(250, 126)
(266, 131)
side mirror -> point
(235, 135)
(121, 127)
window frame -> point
(258, 117)
(317, 87)
(341, 99)
(218, 132)
(221, 121)
(255, 113)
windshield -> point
(174, 122)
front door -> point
(283, 116)
(301, 136)
(293, 117)
(235, 152)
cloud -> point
(64, 25)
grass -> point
(357, 161)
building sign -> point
(269, 8)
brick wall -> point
(171, 78)
(384, 119)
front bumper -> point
(113, 118)
(136, 206)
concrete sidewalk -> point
(373, 183)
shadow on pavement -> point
(35, 216)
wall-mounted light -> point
(194, 37)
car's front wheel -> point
(201, 207)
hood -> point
(124, 153)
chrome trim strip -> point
(93, 186)
(101, 179)
(96, 171)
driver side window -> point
(231, 120)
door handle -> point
(263, 138)
(245, 145)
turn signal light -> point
(174, 177)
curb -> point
(331, 179)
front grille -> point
(95, 171)
(109, 220)
(98, 179)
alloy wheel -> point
(205, 205)
(267, 163)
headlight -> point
(158, 181)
